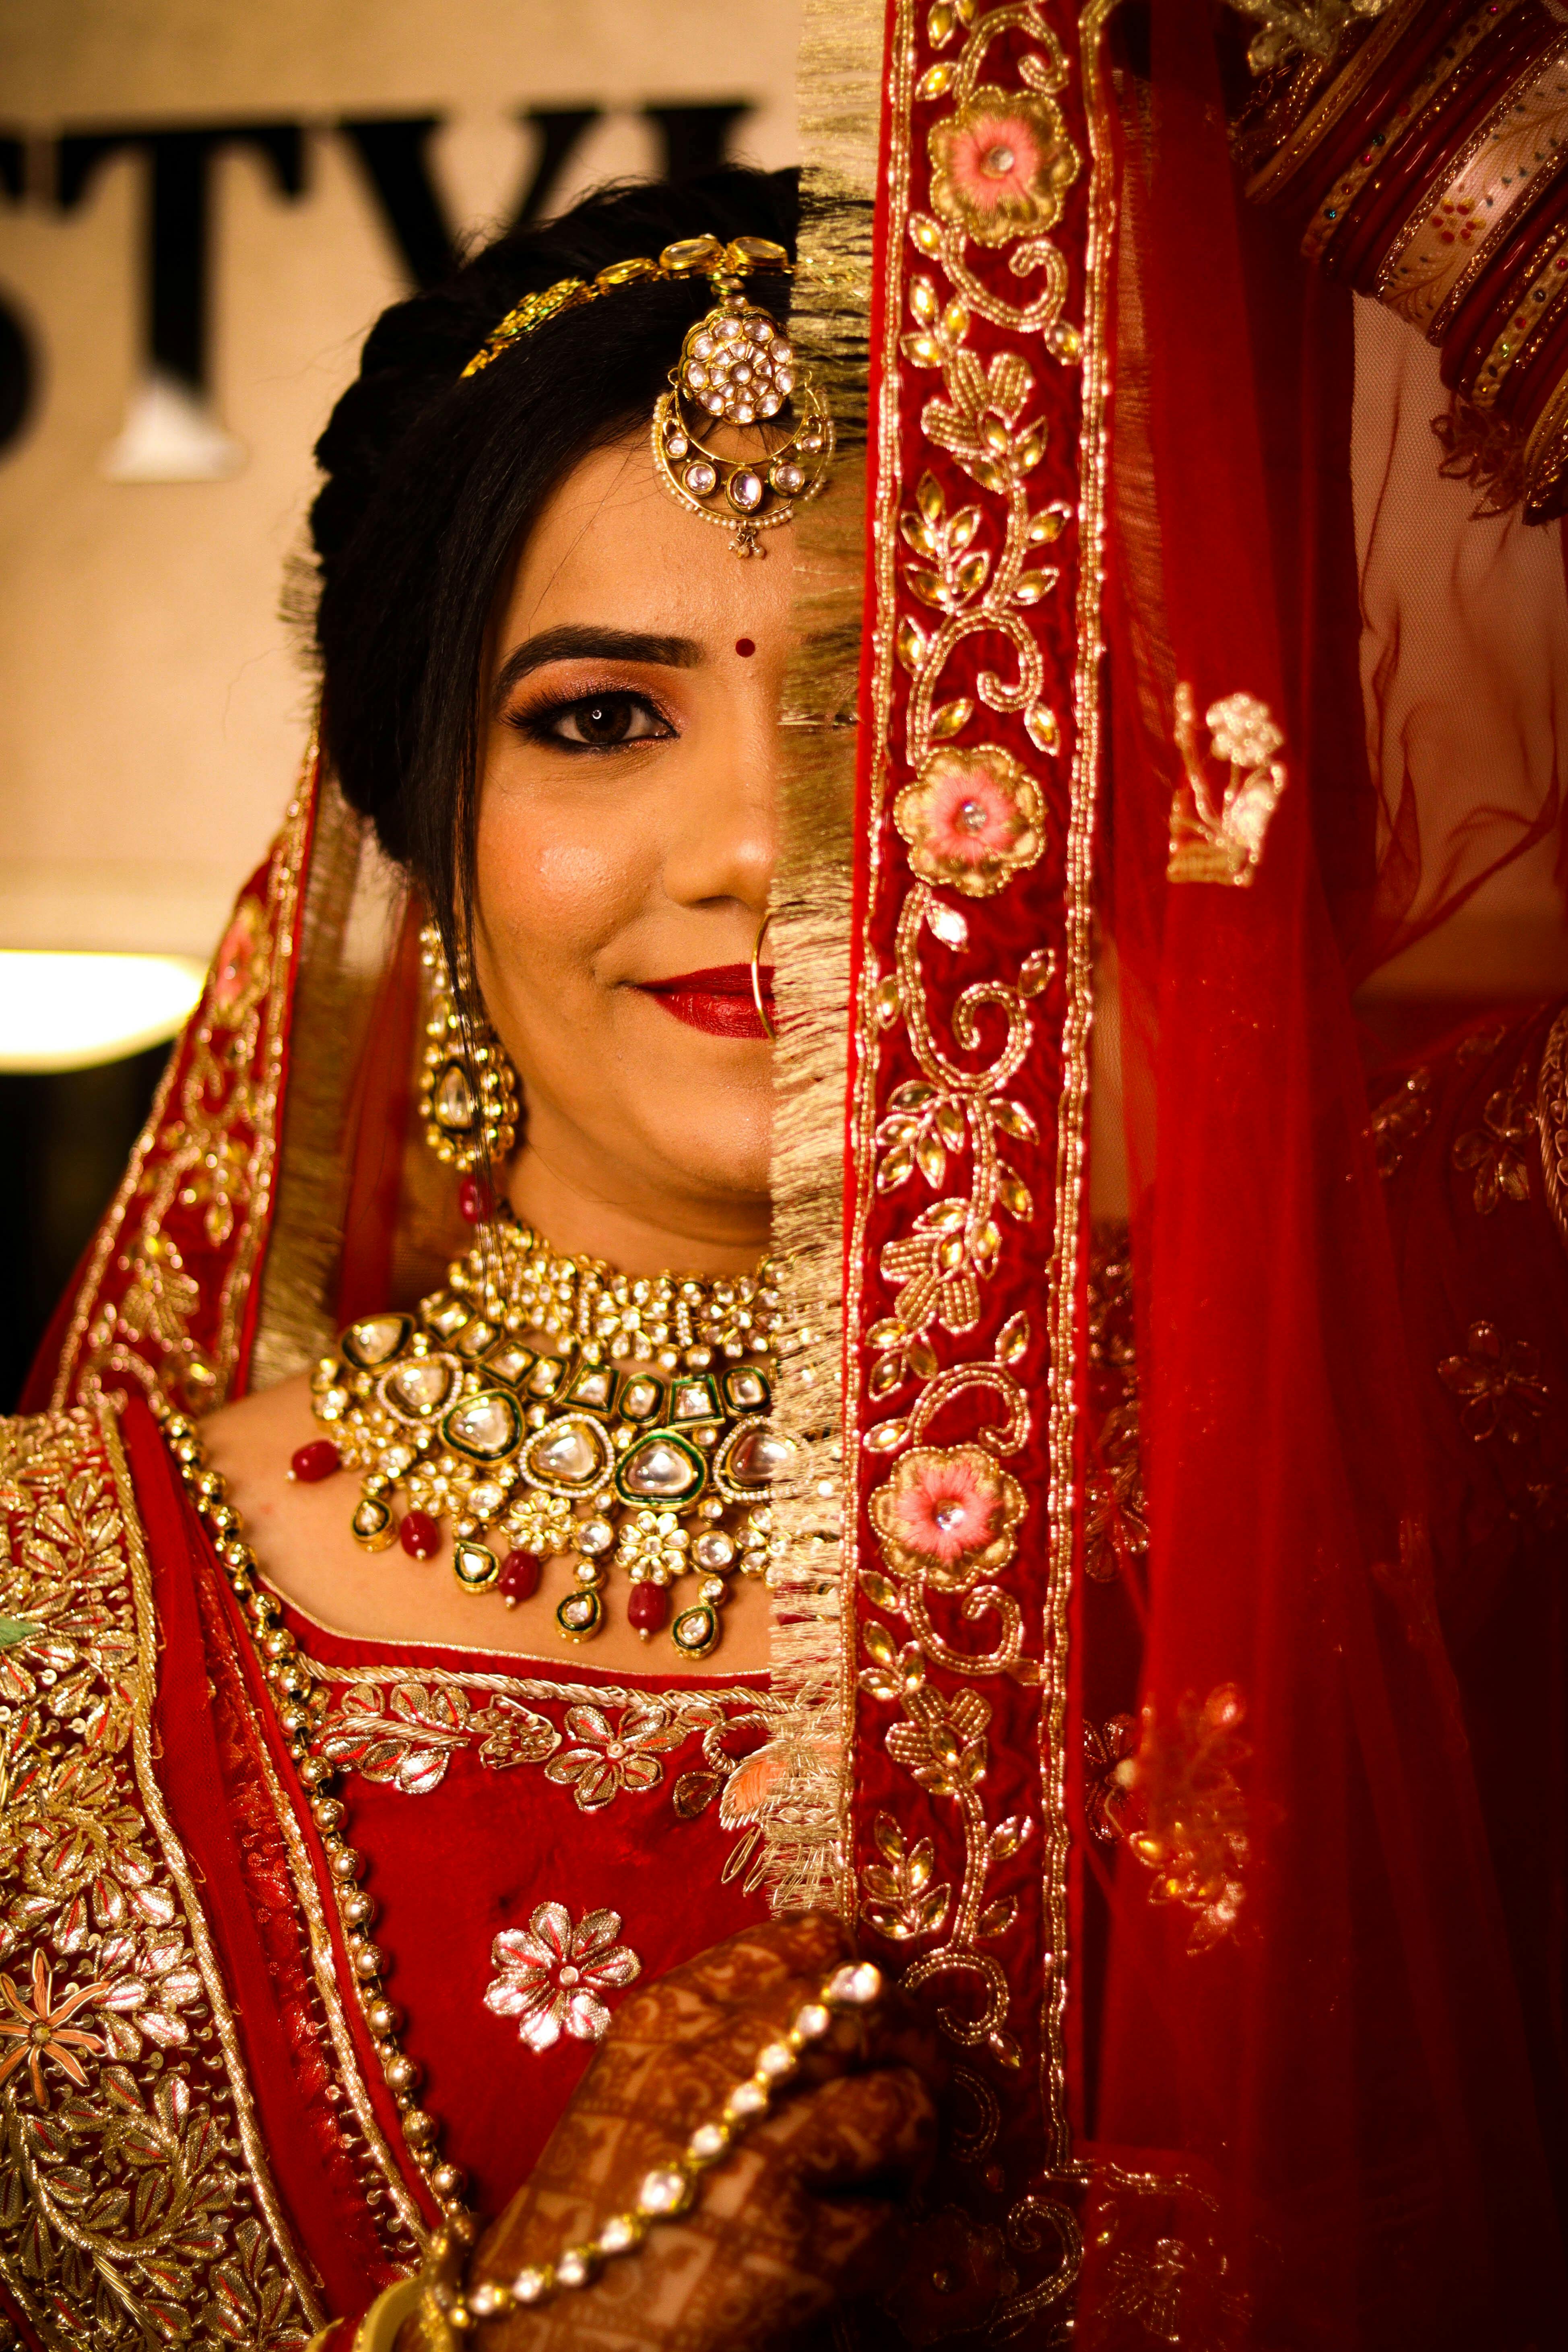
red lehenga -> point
(1203, 1761)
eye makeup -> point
(604, 718)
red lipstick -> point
(718, 1001)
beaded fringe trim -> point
(801, 1819)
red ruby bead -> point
(316, 1461)
(473, 1200)
(647, 1608)
(518, 1578)
(419, 1535)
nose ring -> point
(757, 977)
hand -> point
(800, 2213)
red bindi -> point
(743, 646)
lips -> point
(719, 1001)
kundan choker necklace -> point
(635, 1438)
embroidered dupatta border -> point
(898, 1848)
(174, 1290)
(77, 1584)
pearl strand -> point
(664, 2193)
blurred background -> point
(202, 209)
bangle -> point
(379, 2326)
(449, 2310)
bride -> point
(785, 1577)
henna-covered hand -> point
(801, 2212)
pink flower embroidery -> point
(1001, 165)
(551, 1974)
(948, 1513)
(972, 818)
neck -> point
(654, 1238)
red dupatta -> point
(1251, 2076)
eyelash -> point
(537, 723)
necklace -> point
(635, 1437)
(668, 2191)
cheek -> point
(557, 886)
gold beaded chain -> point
(665, 2192)
(668, 2191)
(638, 1440)
(298, 1702)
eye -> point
(596, 722)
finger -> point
(872, 2134)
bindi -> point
(744, 647)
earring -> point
(468, 1091)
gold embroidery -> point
(404, 1730)
(1191, 1816)
(209, 1147)
(1115, 1530)
(1401, 1120)
(1552, 1121)
(550, 1974)
(1496, 1150)
(135, 2208)
(1162, 2265)
(1223, 842)
(942, 1743)
(1499, 1384)
(1001, 163)
(1104, 1795)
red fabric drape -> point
(1314, 2037)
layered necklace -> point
(550, 1406)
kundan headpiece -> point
(736, 368)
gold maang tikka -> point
(737, 368)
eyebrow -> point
(586, 644)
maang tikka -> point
(468, 1087)
(737, 368)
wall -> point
(153, 708)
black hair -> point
(431, 480)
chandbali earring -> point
(738, 367)
(468, 1091)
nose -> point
(723, 842)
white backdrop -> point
(153, 710)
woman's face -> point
(625, 844)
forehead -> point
(610, 544)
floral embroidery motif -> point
(44, 2030)
(609, 1758)
(403, 1733)
(1401, 1120)
(902, 1903)
(971, 821)
(1001, 165)
(242, 967)
(1190, 1826)
(1104, 1795)
(942, 1742)
(134, 2214)
(948, 1515)
(1223, 842)
(551, 1975)
(1497, 1150)
(1115, 1530)
(1499, 1384)
(408, 1744)
(1552, 1121)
